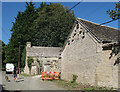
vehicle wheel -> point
(6, 72)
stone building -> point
(90, 52)
(45, 58)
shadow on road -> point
(19, 80)
(9, 91)
(3, 90)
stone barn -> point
(90, 52)
(45, 58)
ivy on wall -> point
(30, 60)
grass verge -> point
(26, 75)
(65, 84)
(74, 86)
(104, 89)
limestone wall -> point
(106, 72)
(84, 57)
(46, 55)
(53, 64)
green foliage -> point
(103, 89)
(111, 88)
(26, 75)
(41, 65)
(66, 84)
(2, 55)
(20, 32)
(52, 26)
(48, 25)
(74, 79)
(114, 14)
(23, 58)
(30, 60)
(91, 88)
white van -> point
(9, 67)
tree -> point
(2, 50)
(52, 26)
(115, 14)
(48, 25)
(23, 58)
(20, 32)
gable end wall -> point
(84, 57)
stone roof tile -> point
(103, 33)
(44, 51)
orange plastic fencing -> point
(50, 75)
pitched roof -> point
(43, 51)
(103, 33)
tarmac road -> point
(1, 85)
(28, 83)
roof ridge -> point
(97, 23)
(103, 33)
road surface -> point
(28, 83)
(0, 81)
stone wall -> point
(85, 58)
(48, 57)
(35, 69)
(26, 68)
(51, 63)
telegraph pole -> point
(19, 59)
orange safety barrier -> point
(50, 75)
